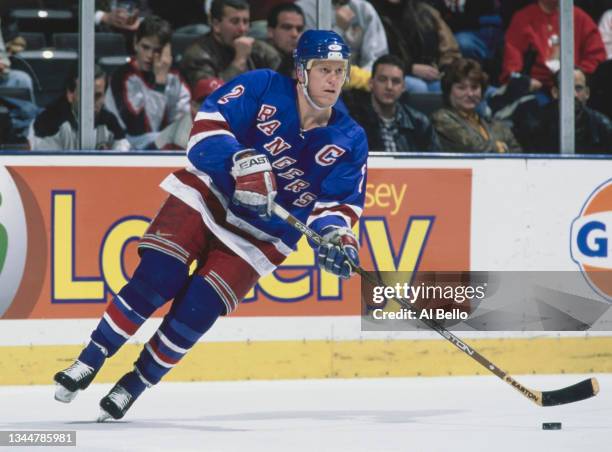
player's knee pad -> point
(193, 313)
(158, 278)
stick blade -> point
(580, 391)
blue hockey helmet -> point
(320, 45)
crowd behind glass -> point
(426, 75)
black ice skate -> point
(116, 403)
(73, 379)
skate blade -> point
(64, 395)
(103, 416)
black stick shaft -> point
(580, 391)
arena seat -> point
(180, 42)
(110, 63)
(16, 93)
(6, 6)
(49, 70)
(34, 40)
(106, 44)
(47, 21)
(601, 89)
(426, 103)
(5, 123)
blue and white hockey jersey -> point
(320, 173)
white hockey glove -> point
(255, 183)
(339, 253)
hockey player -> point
(261, 137)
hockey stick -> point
(574, 393)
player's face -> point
(325, 80)
(233, 24)
(465, 95)
(146, 48)
(387, 84)
(285, 35)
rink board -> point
(71, 225)
(268, 360)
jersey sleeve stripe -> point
(208, 125)
(210, 115)
(195, 139)
(329, 205)
(343, 210)
(345, 218)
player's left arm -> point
(338, 209)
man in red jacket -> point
(537, 26)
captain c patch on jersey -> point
(328, 155)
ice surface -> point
(446, 414)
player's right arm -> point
(218, 144)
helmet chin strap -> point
(310, 100)
(312, 103)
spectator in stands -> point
(593, 132)
(419, 36)
(226, 51)
(260, 9)
(389, 122)
(537, 27)
(509, 7)
(120, 15)
(285, 26)
(458, 124)
(12, 78)
(476, 25)
(358, 23)
(145, 93)
(605, 29)
(20, 112)
(56, 127)
(176, 135)
(185, 19)
(594, 8)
